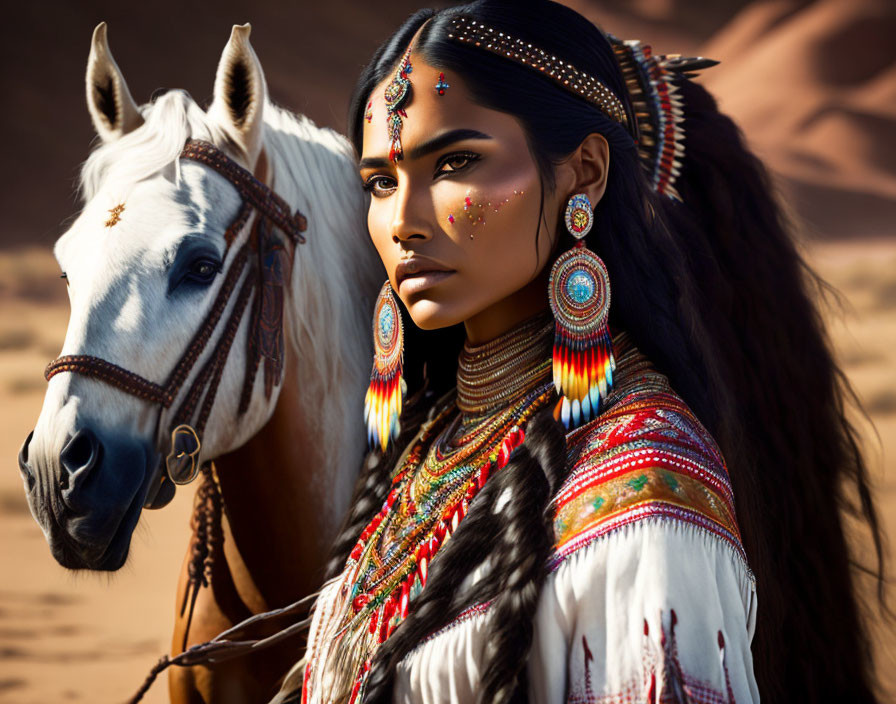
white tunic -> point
(590, 644)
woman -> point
(561, 525)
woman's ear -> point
(585, 171)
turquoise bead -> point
(580, 287)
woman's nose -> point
(409, 221)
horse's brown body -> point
(275, 543)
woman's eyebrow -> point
(432, 145)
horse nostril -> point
(23, 462)
(81, 452)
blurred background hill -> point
(812, 84)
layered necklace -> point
(500, 385)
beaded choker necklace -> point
(505, 383)
(496, 373)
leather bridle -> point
(270, 266)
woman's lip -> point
(416, 266)
(422, 280)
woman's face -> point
(455, 220)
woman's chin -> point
(428, 314)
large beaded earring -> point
(382, 406)
(579, 292)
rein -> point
(270, 265)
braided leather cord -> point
(252, 190)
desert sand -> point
(822, 119)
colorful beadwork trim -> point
(468, 31)
(649, 459)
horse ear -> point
(240, 93)
(112, 109)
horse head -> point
(183, 269)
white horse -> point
(144, 262)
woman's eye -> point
(203, 271)
(455, 162)
(379, 186)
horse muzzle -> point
(88, 495)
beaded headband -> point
(657, 117)
(469, 31)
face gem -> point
(442, 85)
(479, 208)
(451, 219)
(368, 115)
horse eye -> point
(203, 270)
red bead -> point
(504, 452)
(360, 601)
(374, 617)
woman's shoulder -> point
(647, 458)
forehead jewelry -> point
(441, 85)
(579, 293)
(114, 215)
(397, 93)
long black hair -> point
(713, 291)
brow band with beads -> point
(469, 31)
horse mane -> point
(336, 273)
